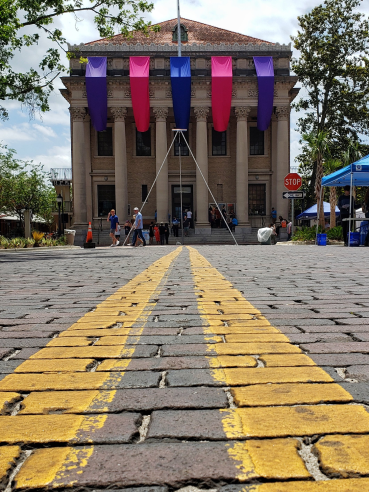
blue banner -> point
(180, 76)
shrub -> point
(335, 234)
(37, 236)
(309, 233)
(4, 242)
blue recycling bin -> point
(321, 239)
(364, 227)
(354, 238)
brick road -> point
(229, 369)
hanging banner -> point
(265, 74)
(97, 92)
(139, 79)
(180, 77)
(221, 91)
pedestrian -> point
(282, 224)
(157, 234)
(113, 226)
(366, 204)
(344, 206)
(224, 215)
(151, 233)
(186, 225)
(234, 224)
(162, 233)
(274, 215)
(273, 238)
(175, 225)
(189, 217)
(137, 228)
(117, 233)
(166, 233)
(217, 218)
(289, 230)
(127, 227)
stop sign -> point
(292, 181)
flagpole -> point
(179, 31)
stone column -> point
(120, 154)
(78, 168)
(283, 166)
(87, 153)
(162, 195)
(242, 169)
(202, 203)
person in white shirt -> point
(189, 217)
(138, 226)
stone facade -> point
(228, 175)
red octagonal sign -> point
(292, 181)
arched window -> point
(184, 35)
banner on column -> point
(221, 91)
(180, 77)
(265, 74)
(97, 93)
(139, 81)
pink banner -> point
(139, 80)
(221, 91)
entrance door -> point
(187, 200)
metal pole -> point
(179, 31)
(293, 216)
(350, 221)
(318, 213)
(180, 184)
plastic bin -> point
(321, 239)
(69, 234)
(364, 227)
(146, 235)
(354, 238)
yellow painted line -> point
(273, 393)
(72, 428)
(8, 457)
(58, 365)
(7, 400)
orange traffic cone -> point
(89, 233)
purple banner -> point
(265, 73)
(97, 92)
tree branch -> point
(56, 14)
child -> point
(117, 233)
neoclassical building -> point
(244, 167)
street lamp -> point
(59, 200)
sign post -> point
(292, 182)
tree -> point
(318, 147)
(333, 67)
(330, 166)
(24, 186)
(25, 22)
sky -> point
(45, 139)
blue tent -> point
(311, 213)
(342, 177)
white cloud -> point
(45, 130)
(56, 156)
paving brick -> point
(7, 367)
(26, 334)
(236, 376)
(300, 322)
(158, 340)
(4, 352)
(57, 365)
(319, 337)
(8, 457)
(79, 381)
(360, 372)
(7, 401)
(122, 400)
(109, 352)
(280, 360)
(349, 485)
(339, 360)
(359, 391)
(229, 349)
(148, 464)
(362, 337)
(259, 422)
(79, 429)
(338, 348)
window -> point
(256, 141)
(257, 199)
(105, 142)
(184, 148)
(219, 143)
(143, 143)
(144, 193)
(105, 199)
(184, 35)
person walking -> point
(157, 234)
(344, 206)
(151, 233)
(186, 225)
(162, 233)
(175, 225)
(189, 217)
(113, 226)
(138, 226)
(166, 233)
(274, 215)
(117, 233)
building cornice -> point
(196, 49)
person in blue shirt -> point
(274, 215)
(138, 226)
(113, 226)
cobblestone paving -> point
(228, 369)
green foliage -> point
(25, 22)
(309, 233)
(21, 242)
(333, 40)
(37, 236)
(24, 186)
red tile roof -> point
(198, 33)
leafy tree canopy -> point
(25, 22)
(24, 186)
(333, 41)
